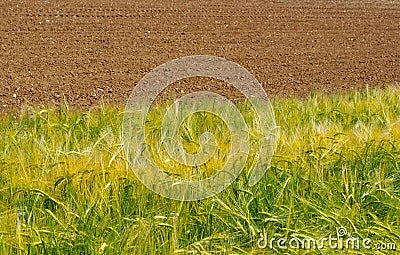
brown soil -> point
(89, 52)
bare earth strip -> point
(88, 52)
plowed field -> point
(86, 53)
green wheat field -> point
(66, 186)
